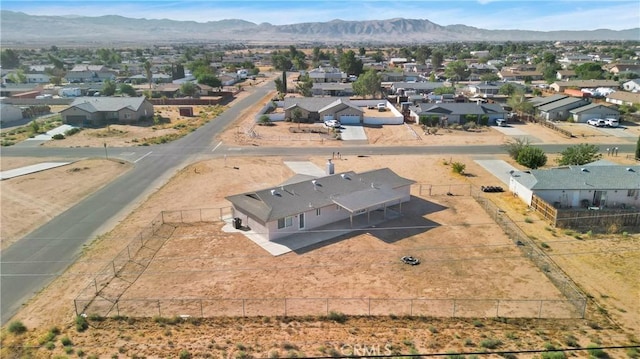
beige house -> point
(99, 111)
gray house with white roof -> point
(277, 212)
(597, 185)
(560, 110)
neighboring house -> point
(486, 89)
(332, 89)
(398, 61)
(624, 98)
(392, 76)
(456, 112)
(632, 86)
(417, 87)
(541, 101)
(292, 208)
(98, 111)
(9, 113)
(593, 110)
(323, 109)
(619, 69)
(583, 84)
(89, 73)
(327, 74)
(559, 110)
(601, 184)
(12, 90)
(564, 75)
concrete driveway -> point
(499, 168)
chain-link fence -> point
(561, 281)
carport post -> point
(105, 151)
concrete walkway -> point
(352, 133)
(305, 239)
(30, 169)
(498, 168)
(305, 168)
(49, 134)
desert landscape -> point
(464, 254)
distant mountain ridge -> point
(21, 29)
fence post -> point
(540, 310)
(117, 308)
(162, 216)
(159, 311)
(201, 311)
(200, 214)
(75, 305)
(243, 312)
(95, 283)
(411, 308)
(454, 309)
(430, 190)
(113, 265)
(181, 219)
(498, 308)
(128, 252)
(327, 304)
(369, 306)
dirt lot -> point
(464, 255)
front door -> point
(301, 218)
(599, 198)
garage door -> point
(588, 116)
(76, 120)
(349, 119)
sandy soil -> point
(204, 184)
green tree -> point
(457, 71)
(444, 90)
(108, 88)
(147, 70)
(127, 89)
(518, 102)
(532, 157)
(17, 77)
(367, 84)
(284, 82)
(458, 167)
(209, 80)
(638, 149)
(279, 85)
(508, 89)
(579, 155)
(188, 89)
(9, 59)
(515, 146)
(350, 64)
(305, 86)
(589, 71)
(489, 77)
(296, 116)
(437, 57)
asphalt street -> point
(34, 261)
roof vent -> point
(314, 182)
(584, 169)
(629, 169)
(344, 176)
(273, 192)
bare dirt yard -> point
(464, 255)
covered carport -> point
(364, 201)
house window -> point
(317, 211)
(632, 192)
(285, 222)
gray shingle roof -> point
(313, 104)
(273, 203)
(590, 177)
(541, 101)
(561, 103)
(107, 104)
(461, 108)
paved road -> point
(34, 261)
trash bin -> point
(237, 223)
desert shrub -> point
(184, 354)
(571, 341)
(66, 341)
(50, 346)
(16, 327)
(58, 136)
(337, 317)
(458, 167)
(72, 131)
(490, 343)
(81, 323)
(454, 355)
(632, 353)
(553, 355)
(528, 220)
(596, 352)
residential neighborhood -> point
(323, 198)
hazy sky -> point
(539, 15)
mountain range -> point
(20, 29)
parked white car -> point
(332, 123)
(598, 122)
(611, 122)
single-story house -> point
(277, 212)
(564, 75)
(544, 100)
(423, 87)
(323, 109)
(519, 75)
(332, 89)
(98, 111)
(618, 69)
(593, 110)
(9, 113)
(624, 98)
(89, 73)
(559, 110)
(560, 86)
(600, 184)
(456, 112)
(327, 74)
(632, 85)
